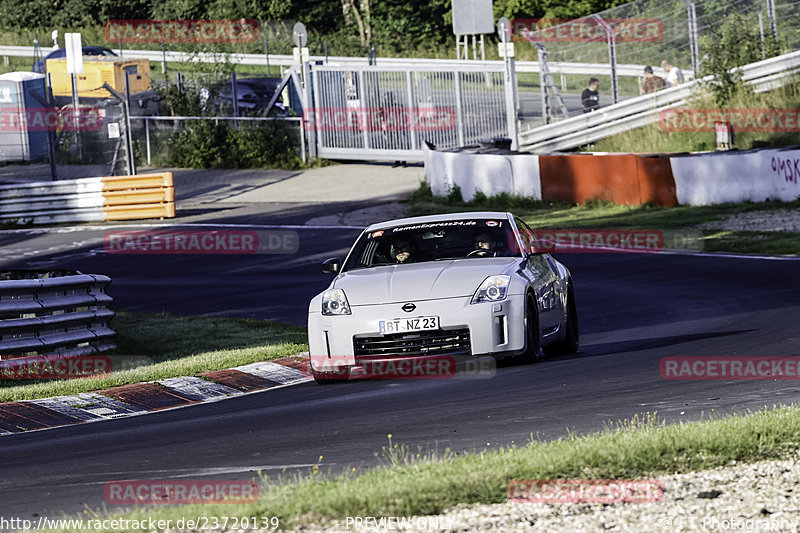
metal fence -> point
(685, 32)
(373, 112)
(61, 139)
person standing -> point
(674, 74)
(651, 82)
(590, 99)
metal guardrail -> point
(642, 110)
(556, 67)
(89, 199)
(54, 313)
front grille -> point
(438, 342)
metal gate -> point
(389, 113)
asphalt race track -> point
(634, 309)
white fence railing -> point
(556, 67)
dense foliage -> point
(392, 25)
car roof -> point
(438, 218)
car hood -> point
(420, 281)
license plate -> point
(402, 325)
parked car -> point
(41, 65)
(463, 284)
(252, 94)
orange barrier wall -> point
(139, 196)
(623, 179)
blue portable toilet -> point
(25, 117)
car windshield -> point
(434, 241)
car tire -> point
(569, 344)
(532, 336)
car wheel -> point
(532, 337)
(569, 344)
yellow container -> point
(99, 70)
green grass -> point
(603, 214)
(652, 139)
(172, 346)
(416, 482)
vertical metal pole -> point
(128, 134)
(51, 134)
(312, 138)
(413, 110)
(761, 31)
(612, 58)
(474, 47)
(163, 60)
(120, 47)
(459, 109)
(321, 139)
(147, 138)
(266, 52)
(75, 106)
(362, 96)
(542, 55)
(326, 51)
(510, 86)
(235, 96)
(772, 18)
(691, 12)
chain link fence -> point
(47, 137)
(647, 32)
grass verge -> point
(174, 346)
(654, 139)
(418, 483)
(602, 214)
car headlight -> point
(493, 289)
(334, 302)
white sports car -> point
(463, 284)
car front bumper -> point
(486, 328)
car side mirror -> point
(332, 265)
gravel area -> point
(774, 220)
(763, 496)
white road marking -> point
(274, 372)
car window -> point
(526, 234)
(418, 243)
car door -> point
(544, 279)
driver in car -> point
(483, 245)
(402, 251)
